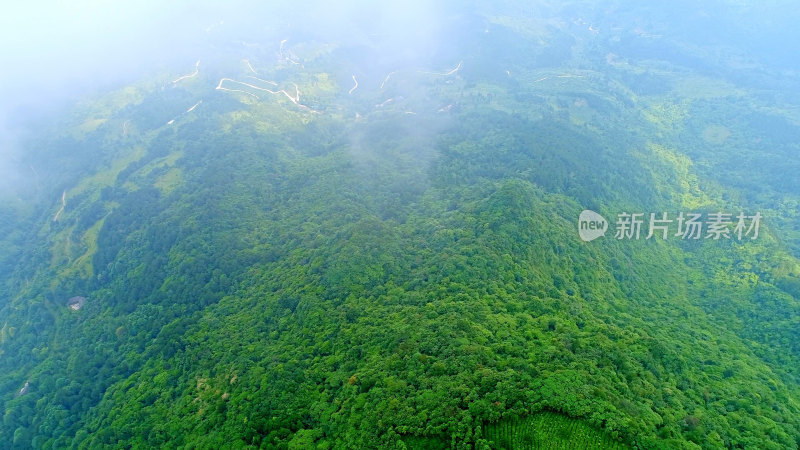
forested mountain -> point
(324, 240)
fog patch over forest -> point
(59, 52)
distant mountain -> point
(352, 243)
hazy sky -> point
(58, 44)
(53, 51)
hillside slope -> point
(303, 250)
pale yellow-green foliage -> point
(108, 176)
(265, 118)
(271, 114)
(90, 125)
(671, 168)
(73, 259)
(169, 181)
(321, 83)
(668, 116)
(93, 113)
(83, 265)
(166, 161)
(70, 258)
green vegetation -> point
(548, 430)
(259, 275)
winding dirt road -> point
(63, 205)
(193, 107)
(219, 87)
(191, 75)
(444, 74)
(385, 80)
(293, 98)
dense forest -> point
(300, 245)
